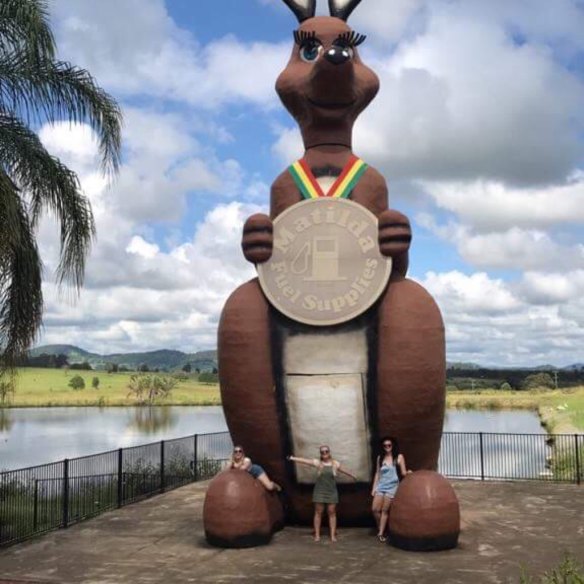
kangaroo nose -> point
(338, 55)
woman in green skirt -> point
(325, 488)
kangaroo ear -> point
(342, 8)
(303, 9)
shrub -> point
(148, 388)
(77, 382)
(95, 383)
(568, 571)
(505, 387)
(538, 381)
(208, 377)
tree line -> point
(513, 379)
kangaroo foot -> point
(425, 514)
(238, 512)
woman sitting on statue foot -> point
(391, 466)
(325, 489)
(240, 461)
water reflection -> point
(6, 420)
(150, 420)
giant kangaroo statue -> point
(290, 382)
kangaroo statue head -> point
(325, 85)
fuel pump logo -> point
(321, 255)
(326, 267)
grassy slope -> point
(49, 387)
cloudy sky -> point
(478, 129)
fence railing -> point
(41, 498)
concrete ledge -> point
(504, 526)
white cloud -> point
(549, 288)
(514, 248)
(154, 57)
(142, 248)
(462, 100)
(490, 205)
(476, 294)
(149, 298)
(492, 322)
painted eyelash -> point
(350, 39)
(301, 37)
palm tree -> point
(35, 87)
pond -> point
(31, 436)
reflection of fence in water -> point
(37, 499)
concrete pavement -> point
(504, 526)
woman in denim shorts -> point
(391, 466)
(241, 461)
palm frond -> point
(50, 186)
(21, 300)
(24, 26)
(59, 90)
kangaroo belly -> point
(324, 384)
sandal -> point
(381, 538)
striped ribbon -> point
(345, 183)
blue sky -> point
(478, 129)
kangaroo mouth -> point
(331, 104)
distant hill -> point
(573, 367)
(162, 359)
(207, 361)
(75, 354)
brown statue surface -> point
(390, 360)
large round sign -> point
(326, 267)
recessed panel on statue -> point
(326, 267)
(329, 409)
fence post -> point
(120, 477)
(65, 521)
(482, 456)
(577, 459)
(162, 466)
(35, 518)
(196, 458)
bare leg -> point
(384, 517)
(376, 509)
(268, 484)
(332, 517)
(318, 510)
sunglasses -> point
(326, 451)
(387, 445)
(238, 450)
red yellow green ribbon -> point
(343, 185)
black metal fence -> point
(41, 498)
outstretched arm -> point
(346, 472)
(301, 460)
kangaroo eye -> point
(310, 52)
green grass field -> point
(50, 387)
